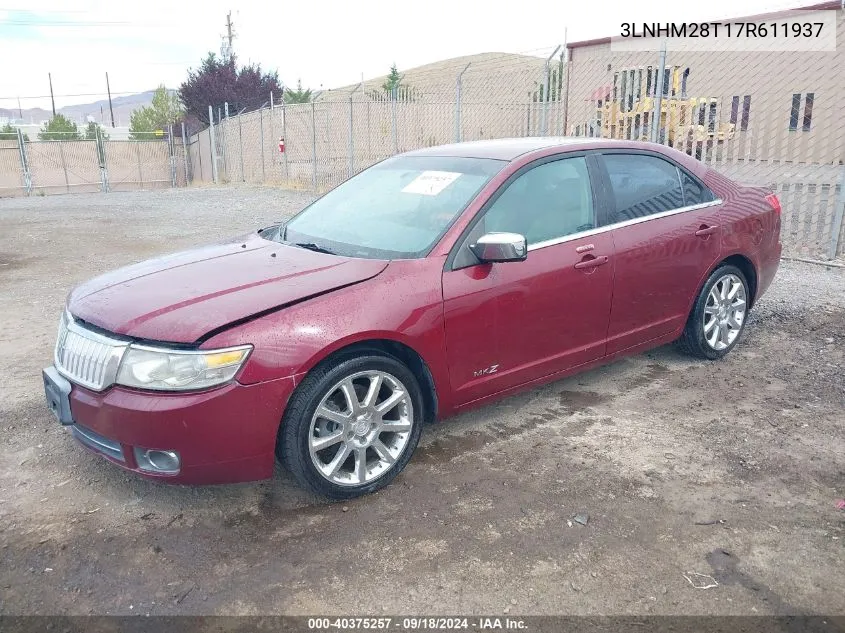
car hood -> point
(181, 297)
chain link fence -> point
(760, 116)
(763, 117)
(90, 165)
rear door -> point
(666, 234)
(511, 323)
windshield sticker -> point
(430, 183)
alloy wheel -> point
(724, 312)
(360, 428)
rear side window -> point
(694, 191)
(642, 186)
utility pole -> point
(226, 50)
(52, 100)
(20, 112)
(111, 109)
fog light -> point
(157, 461)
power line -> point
(79, 94)
(87, 23)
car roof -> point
(511, 148)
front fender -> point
(403, 304)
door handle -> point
(707, 230)
(593, 262)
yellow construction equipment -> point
(685, 122)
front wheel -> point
(718, 315)
(351, 428)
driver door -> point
(510, 323)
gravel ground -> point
(729, 469)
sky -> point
(325, 43)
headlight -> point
(176, 370)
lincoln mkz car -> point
(435, 281)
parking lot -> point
(684, 469)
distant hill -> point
(123, 107)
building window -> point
(667, 79)
(808, 111)
(734, 109)
(684, 78)
(793, 114)
(746, 111)
(648, 82)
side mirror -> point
(500, 247)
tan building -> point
(756, 103)
(768, 117)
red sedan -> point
(435, 281)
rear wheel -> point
(351, 428)
(718, 315)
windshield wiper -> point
(311, 246)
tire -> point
(311, 443)
(716, 322)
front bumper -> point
(224, 435)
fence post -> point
(185, 153)
(394, 95)
(272, 127)
(27, 177)
(64, 164)
(284, 136)
(351, 139)
(223, 145)
(241, 145)
(658, 96)
(313, 147)
(546, 100)
(171, 148)
(101, 158)
(838, 212)
(212, 144)
(261, 133)
(458, 90)
(140, 172)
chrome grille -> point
(85, 357)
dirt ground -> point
(730, 469)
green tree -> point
(59, 128)
(299, 95)
(91, 132)
(393, 80)
(9, 133)
(393, 88)
(164, 110)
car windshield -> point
(397, 209)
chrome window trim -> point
(619, 225)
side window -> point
(547, 202)
(694, 191)
(642, 186)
